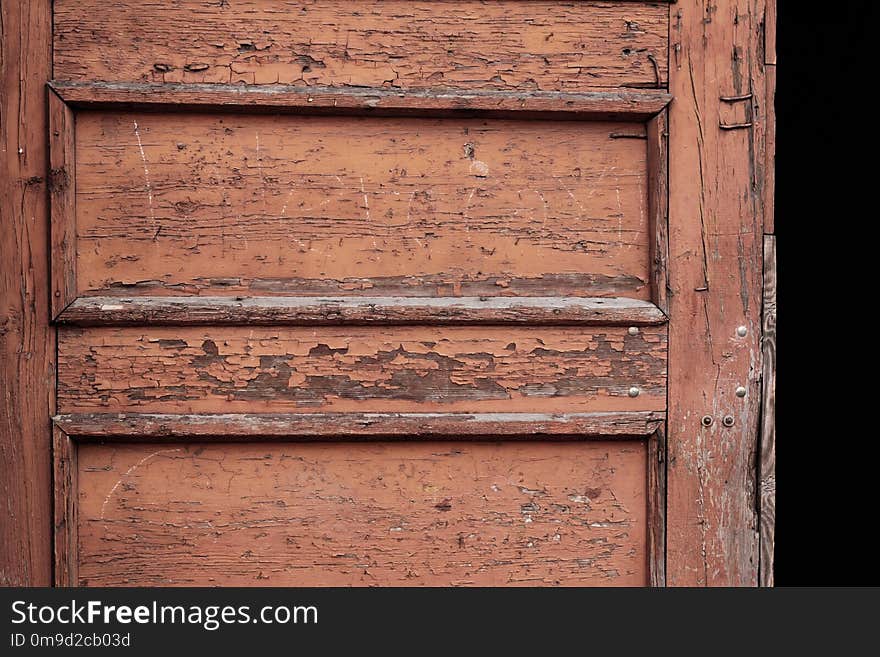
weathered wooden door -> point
(385, 292)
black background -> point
(826, 210)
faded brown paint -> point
(231, 204)
(400, 514)
(388, 43)
(357, 369)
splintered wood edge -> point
(359, 426)
(312, 311)
(624, 105)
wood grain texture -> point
(26, 339)
(357, 369)
(364, 426)
(716, 223)
(62, 191)
(404, 514)
(66, 488)
(658, 207)
(323, 311)
(597, 105)
(657, 506)
(301, 205)
(366, 43)
(768, 416)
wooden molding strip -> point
(632, 105)
(316, 311)
(344, 426)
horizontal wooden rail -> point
(359, 426)
(621, 105)
(316, 311)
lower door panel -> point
(360, 513)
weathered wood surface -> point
(348, 426)
(62, 189)
(356, 369)
(716, 185)
(656, 521)
(374, 43)
(658, 203)
(304, 205)
(768, 416)
(363, 514)
(293, 311)
(608, 105)
(26, 339)
(66, 489)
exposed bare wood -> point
(294, 311)
(401, 514)
(26, 339)
(249, 205)
(657, 506)
(359, 369)
(716, 217)
(466, 44)
(62, 189)
(658, 204)
(65, 487)
(607, 105)
(345, 426)
(768, 416)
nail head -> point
(633, 330)
(741, 391)
(728, 421)
(742, 331)
(634, 392)
(706, 421)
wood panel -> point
(403, 514)
(387, 43)
(303, 205)
(716, 217)
(357, 369)
(26, 339)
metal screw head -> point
(633, 330)
(741, 392)
(742, 331)
(706, 421)
(728, 421)
(634, 392)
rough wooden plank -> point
(26, 359)
(322, 311)
(768, 416)
(657, 506)
(219, 204)
(65, 489)
(658, 207)
(468, 44)
(398, 514)
(607, 105)
(358, 369)
(62, 189)
(716, 222)
(345, 426)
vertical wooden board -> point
(658, 207)
(657, 507)
(62, 190)
(768, 416)
(360, 369)
(510, 45)
(26, 339)
(231, 204)
(716, 222)
(401, 514)
(65, 482)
